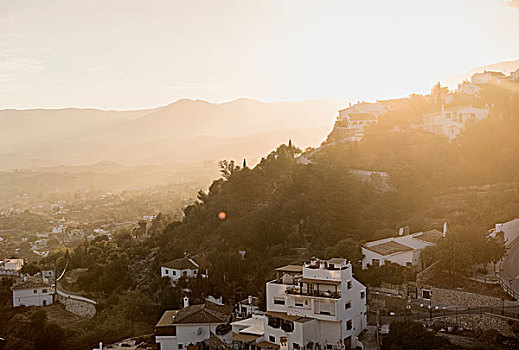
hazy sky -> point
(128, 54)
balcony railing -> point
(295, 290)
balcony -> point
(296, 290)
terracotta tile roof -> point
(290, 268)
(203, 313)
(431, 236)
(181, 264)
(388, 248)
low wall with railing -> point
(9, 273)
(77, 304)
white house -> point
(470, 89)
(359, 116)
(179, 329)
(452, 121)
(402, 250)
(183, 267)
(486, 77)
(510, 231)
(246, 308)
(319, 303)
(514, 76)
(32, 292)
(11, 264)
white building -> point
(510, 231)
(452, 121)
(486, 77)
(402, 250)
(183, 267)
(179, 329)
(357, 117)
(319, 303)
(11, 264)
(470, 89)
(514, 76)
(246, 308)
(32, 292)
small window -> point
(349, 325)
(375, 262)
(272, 338)
(174, 274)
(362, 294)
(180, 346)
(409, 264)
(296, 346)
(347, 305)
(329, 346)
(44, 291)
(349, 284)
(279, 301)
(35, 291)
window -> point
(296, 346)
(272, 338)
(44, 291)
(174, 273)
(324, 308)
(180, 346)
(349, 284)
(375, 262)
(329, 346)
(349, 325)
(35, 291)
(362, 294)
(279, 301)
(299, 303)
(409, 264)
(347, 305)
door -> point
(44, 302)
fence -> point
(507, 288)
(74, 297)
(510, 312)
(9, 273)
(483, 279)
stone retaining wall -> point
(476, 323)
(457, 297)
(77, 307)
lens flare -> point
(222, 215)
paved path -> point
(510, 268)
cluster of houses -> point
(450, 121)
(319, 304)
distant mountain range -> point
(187, 131)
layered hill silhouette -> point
(188, 131)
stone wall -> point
(77, 307)
(475, 323)
(427, 274)
(457, 297)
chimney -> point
(250, 299)
(401, 231)
(186, 301)
(445, 229)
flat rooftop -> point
(388, 248)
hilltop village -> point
(404, 221)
